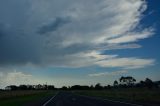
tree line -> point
(123, 82)
(129, 81)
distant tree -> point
(50, 87)
(91, 87)
(142, 83)
(23, 87)
(85, 87)
(109, 86)
(12, 87)
(45, 86)
(98, 86)
(115, 84)
(39, 87)
(157, 84)
(129, 80)
(30, 87)
(8, 88)
(76, 87)
(149, 83)
(79, 87)
(64, 88)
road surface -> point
(70, 99)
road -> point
(70, 99)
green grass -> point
(19, 99)
(140, 95)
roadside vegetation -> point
(133, 95)
(20, 98)
(126, 90)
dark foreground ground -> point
(70, 99)
(112, 97)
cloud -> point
(16, 78)
(65, 33)
(115, 73)
(132, 37)
(118, 46)
(53, 26)
(126, 63)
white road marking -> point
(45, 104)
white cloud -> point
(16, 78)
(84, 59)
(103, 60)
(132, 37)
(127, 63)
(115, 73)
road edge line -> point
(50, 99)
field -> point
(134, 95)
(19, 98)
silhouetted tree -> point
(30, 87)
(39, 87)
(79, 87)
(115, 84)
(22, 87)
(140, 84)
(98, 86)
(109, 86)
(64, 88)
(50, 87)
(91, 87)
(149, 83)
(76, 87)
(129, 80)
(12, 87)
(157, 84)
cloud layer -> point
(115, 73)
(16, 78)
(71, 33)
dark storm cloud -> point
(72, 30)
(17, 50)
(1, 29)
(53, 26)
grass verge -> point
(19, 98)
(134, 95)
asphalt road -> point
(70, 99)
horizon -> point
(64, 43)
(135, 84)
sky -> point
(68, 42)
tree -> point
(11, 87)
(115, 84)
(149, 83)
(91, 87)
(50, 87)
(64, 88)
(80, 87)
(23, 87)
(98, 86)
(129, 80)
